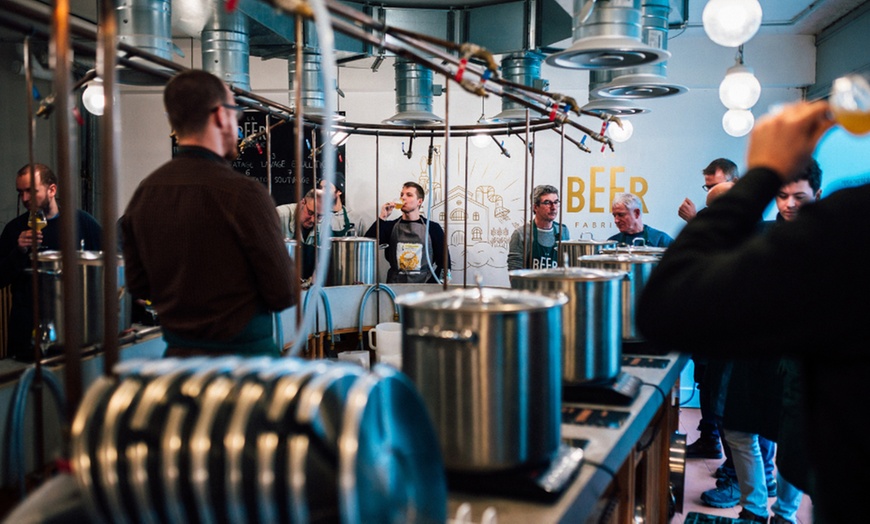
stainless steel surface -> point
(637, 269)
(90, 303)
(591, 320)
(352, 261)
(574, 249)
(493, 385)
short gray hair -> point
(628, 200)
(542, 190)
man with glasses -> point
(718, 171)
(543, 250)
(303, 216)
(201, 240)
(627, 214)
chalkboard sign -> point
(252, 161)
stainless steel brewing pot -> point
(592, 318)
(90, 301)
(575, 249)
(352, 261)
(637, 269)
(487, 363)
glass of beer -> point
(37, 220)
(850, 103)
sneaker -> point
(706, 447)
(776, 519)
(726, 494)
(745, 514)
(720, 472)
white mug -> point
(388, 337)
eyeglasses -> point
(228, 106)
(311, 212)
(549, 203)
(708, 187)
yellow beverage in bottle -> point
(855, 122)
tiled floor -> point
(699, 478)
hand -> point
(25, 239)
(784, 142)
(687, 210)
(387, 210)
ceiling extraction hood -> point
(145, 24)
(607, 35)
(649, 80)
(520, 68)
(225, 47)
(414, 91)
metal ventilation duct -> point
(414, 93)
(519, 68)
(226, 47)
(607, 35)
(312, 82)
(646, 81)
(145, 24)
(611, 106)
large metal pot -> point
(575, 249)
(487, 363)
(352, 261)
(637, 269)
(592, 318)
(90, 303)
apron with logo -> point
(411, 264)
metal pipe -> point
(445, 261)
(109, 141)
(297, 101)
(71, 285)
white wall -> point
(670, 146)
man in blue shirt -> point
(626, 210)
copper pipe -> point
(445, 262)
(71, 285)
(109, 141)
(465, 223)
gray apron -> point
(411, 264)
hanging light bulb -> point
(738, 122)
(739, 89)
(731, 23)
(620, 134)
(481, 140)
(93, 97)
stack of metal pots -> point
(637, 269)
(585, 245)
(256, 440)
(488, 366)
(592, 318)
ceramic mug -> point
(387, 339)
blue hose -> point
(362, 307)
(324, 299)
(15, 451)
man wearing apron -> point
(414, 256)
(543, 250)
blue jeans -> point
(768, 452)
(788, 499)
(750, 470)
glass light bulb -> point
(480, 140)
(738, 122)
(618, 134)
(731, 23)
(739, 89)
(93, 98)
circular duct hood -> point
(607, 52)
(614, 106)
(638, 86)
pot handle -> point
(464, 335)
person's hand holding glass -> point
(850, 103)
(33, 234)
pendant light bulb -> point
(93, 97)
(620, 134)
(480, 140)
(731, 23)
(739, 89)
(738, 122)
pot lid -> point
(568, 273)
(84, 257)
(589, 241)
(352, 240)
(641, 250)
(483, 299)
(620, 258)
